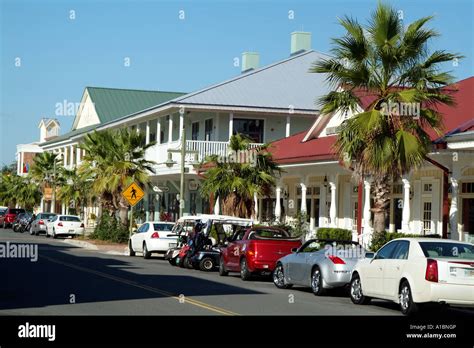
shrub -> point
(334, 233)
(380, 239)
(110, 229)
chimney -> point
(250, 61)
(300, 42)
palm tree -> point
(23, 191)
(113, 160)
(74, 187)
(392, 65)
(46, 168)
(236, 182)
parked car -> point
(64, 225)
(413, 271)
(255, 250)
(9, 217)
(38, 225)
(152, 237)
(319, 264)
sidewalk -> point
(99, 245)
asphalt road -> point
(67, 280)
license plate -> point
(71, 231)
(172, 245)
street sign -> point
(160, 189)
(133, 194)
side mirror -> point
(294, 250)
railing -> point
(159, 152)
(207, 148)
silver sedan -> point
(319, 264)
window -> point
(249, 127)
(401, 251)
(355, 214)
(143, 228)
(69, 218)
(428, 188)
(162, 227)
(426, 217)
(153, 125)
(397, 189)
(268, 234)
(195, 131)
(457, 250)
(312, 246)
(208, 127)
(387, 251)
(467, 187)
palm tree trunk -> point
(381, 190)
(123, 211)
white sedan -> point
(64, 225)
(152, 237)
(413, 271)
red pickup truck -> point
(255, 250)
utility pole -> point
(53, 204)
(181, 184)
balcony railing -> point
(159, 152)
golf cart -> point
(182, 229)
(204, 249)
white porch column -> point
(333, 207)
(158, 130)
(78, 156)
(366, 212)
(64, 156)
(277, 203)
(255, 206)
(406, 206)
(71, 155)
(170, 128)
(63, 208)
(42, 204)
(231, 125)
(453, 210)
(287, 131)
(18, 165)
(304, 210)
(217, 207)
(181, 123)
(322, 206)
(147, 134)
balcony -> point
(159, 152)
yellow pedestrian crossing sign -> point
(133, 194)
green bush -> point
(110, 229)
(334, 233)
(380, 239)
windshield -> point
(440, 250)
(47, 216)
(268, 234)
(16, 211)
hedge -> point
(334, 233)
(380, 239)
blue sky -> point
(60, 56)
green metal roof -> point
(113, 103)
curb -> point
(81, 244)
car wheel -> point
(356, 294)
(279, 278)
(317, 282)
(172, 262)
(407, 306)
(206, 264)
(245, 274)
(146, 253)
(131, 252)
(222, 271)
